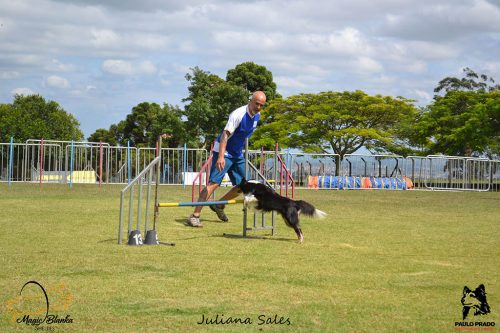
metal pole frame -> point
(11, 160)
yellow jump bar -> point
(206, 203)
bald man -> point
(228, 155)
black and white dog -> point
(261, 197)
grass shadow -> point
(266, 238)
(183, 221)
(110, 240)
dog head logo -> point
(475, 300)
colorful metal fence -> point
(48, 161)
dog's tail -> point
(307, 209)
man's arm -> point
(221, 162)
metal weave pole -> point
(139, 204)
(148, 196)
(130, 187)
(158, 155)
(249, 167)
(151, 237)
(273, 213)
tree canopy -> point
(462, 123)
(32, 116)
(143, 126)
(338, 122)
(465, 120)
(471, 82)
(210, 101)
(253, 77)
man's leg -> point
(205, 193)
(231, 194)
(219, 209)
(236, 173)
(194, 219)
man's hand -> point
(221, 162)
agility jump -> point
(143, 183)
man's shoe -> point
(219, 210)
(194, 221)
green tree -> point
(253, 77)
(462, 123)
(143, 126)
(471, 82)
(338, 122)
(5, 130)
(170, 122)
(210, 101)
(32, 117)
(104, 135)
(139, 124)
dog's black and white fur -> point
(475, 300)
(261, 197)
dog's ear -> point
(466, 290)
(480, 290)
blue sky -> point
(98, 59)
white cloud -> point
(123, 67)
(107, 40)
(55, 81)
(120, 67)
(22, 91)
(289, 83)
(134, 5)
(56, 65)
(348, 41)
(249, 41)
(188, 47)
(28, 59)
(9, 75)
(423, 96)
(492, 66)
(146, 67)
(429, 50)
(397, 47)
(104, 38)
(443, 20)
(383, 80)
(366, 65)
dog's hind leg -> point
(292, 220)
(300, 235)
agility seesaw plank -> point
(206, 203)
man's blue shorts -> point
(234, 167)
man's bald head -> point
(259, 95)
(257, 102)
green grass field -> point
(383, 261)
